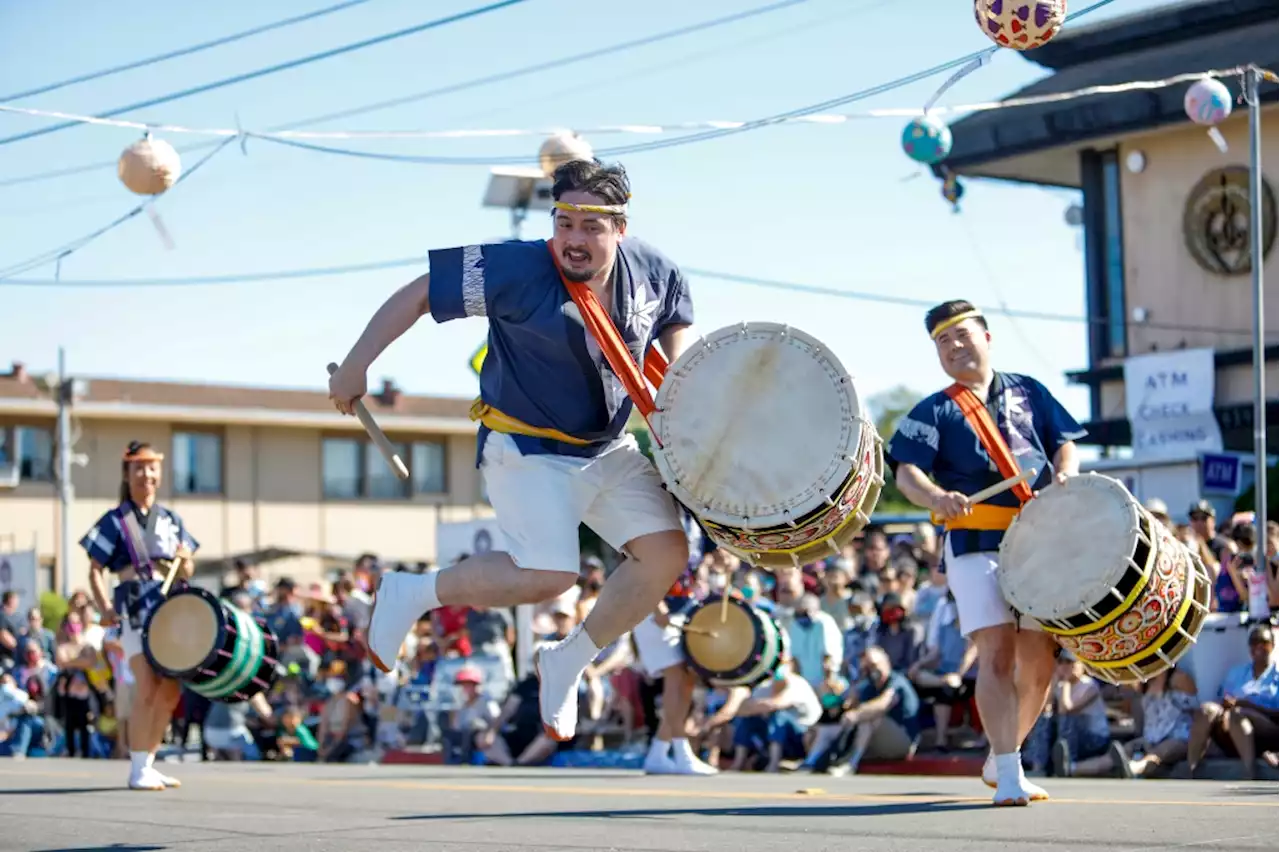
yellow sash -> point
(505, 423)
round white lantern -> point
(1020, 24)
(149, 166)
(560, 149)
(1207, 102)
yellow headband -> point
(955, 320)
(607, 209)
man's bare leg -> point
(486, 579)
(634, 590)
(1032, 679)
(997, 699)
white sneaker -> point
(397, 605)
(558, 690)
(146, 778)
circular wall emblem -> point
(1215, 222)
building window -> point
(427, 467)
(196, 467)
(1113, 257)
(30, 448)
(354, 468)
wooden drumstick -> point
(171, 575)
(375, 433)
(1001, 487)
(724, 604)
(701, 631)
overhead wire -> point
(273, 69)
(697, 272)
(454, 88)
(183, 51)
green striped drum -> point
(215, 649)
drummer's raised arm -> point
(1067, 459)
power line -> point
(697, 272)
(185, 51)
(446, 90)
(273, 69)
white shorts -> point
(973, 581)
(657, 647)
(540, 500)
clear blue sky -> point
(825, 205)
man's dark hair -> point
(608, 183)
(941, 313)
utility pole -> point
(65, 488)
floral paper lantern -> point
(1207, 102)
(149, 166)
(1020, 24)
(926, 140)
(560, 149)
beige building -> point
(1165, 213)
(271, 476)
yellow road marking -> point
(641, 792)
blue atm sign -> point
(1220, 473)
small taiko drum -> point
(215, 649)
(743, 649)
(763, 438)
(1106, 579)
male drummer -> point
(128, 541)
(947, 435)
(552, 445)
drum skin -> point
(747, 648)
(762, 436)
(1107, 580)
(213, 648)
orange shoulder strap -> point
(615, 351)
(992, 441)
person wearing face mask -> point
(136, 541)
(987, 427)
(573, 325)
(880, 718)
(814, 636)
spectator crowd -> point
(876, 670)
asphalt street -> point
(59, 805)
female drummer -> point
(138, 541)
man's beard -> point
(579, 277)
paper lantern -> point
(1207, 102)
(1020, 24)
(149, 166)
(560, 149)
(926, 140)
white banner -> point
(19, 572)
(1169, 404)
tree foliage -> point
(886, 409)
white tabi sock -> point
(138, 761)
(579, 649)
(423, 591)
(1009, 766)
(151, 759)
(659, 748)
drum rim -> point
(828, 545)
(658, 422)
(1099, 587)
(220, 633)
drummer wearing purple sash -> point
(129, 541)
(986, 428)
(553, 446)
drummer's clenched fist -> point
(950, 504)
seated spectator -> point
(517, 737)
(1168, 703)
(492, 634)
(1077, 724)
(342, 729)
(836, 596)
(945, 674)
(862, 633)
(831, 694)
(1244, 719)
(294, 738)
(814, 636)
(895, 635)
(879, 722)
(35, 632)
(474, 714)
(226, 728)
(774, 719)
(21, 721)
